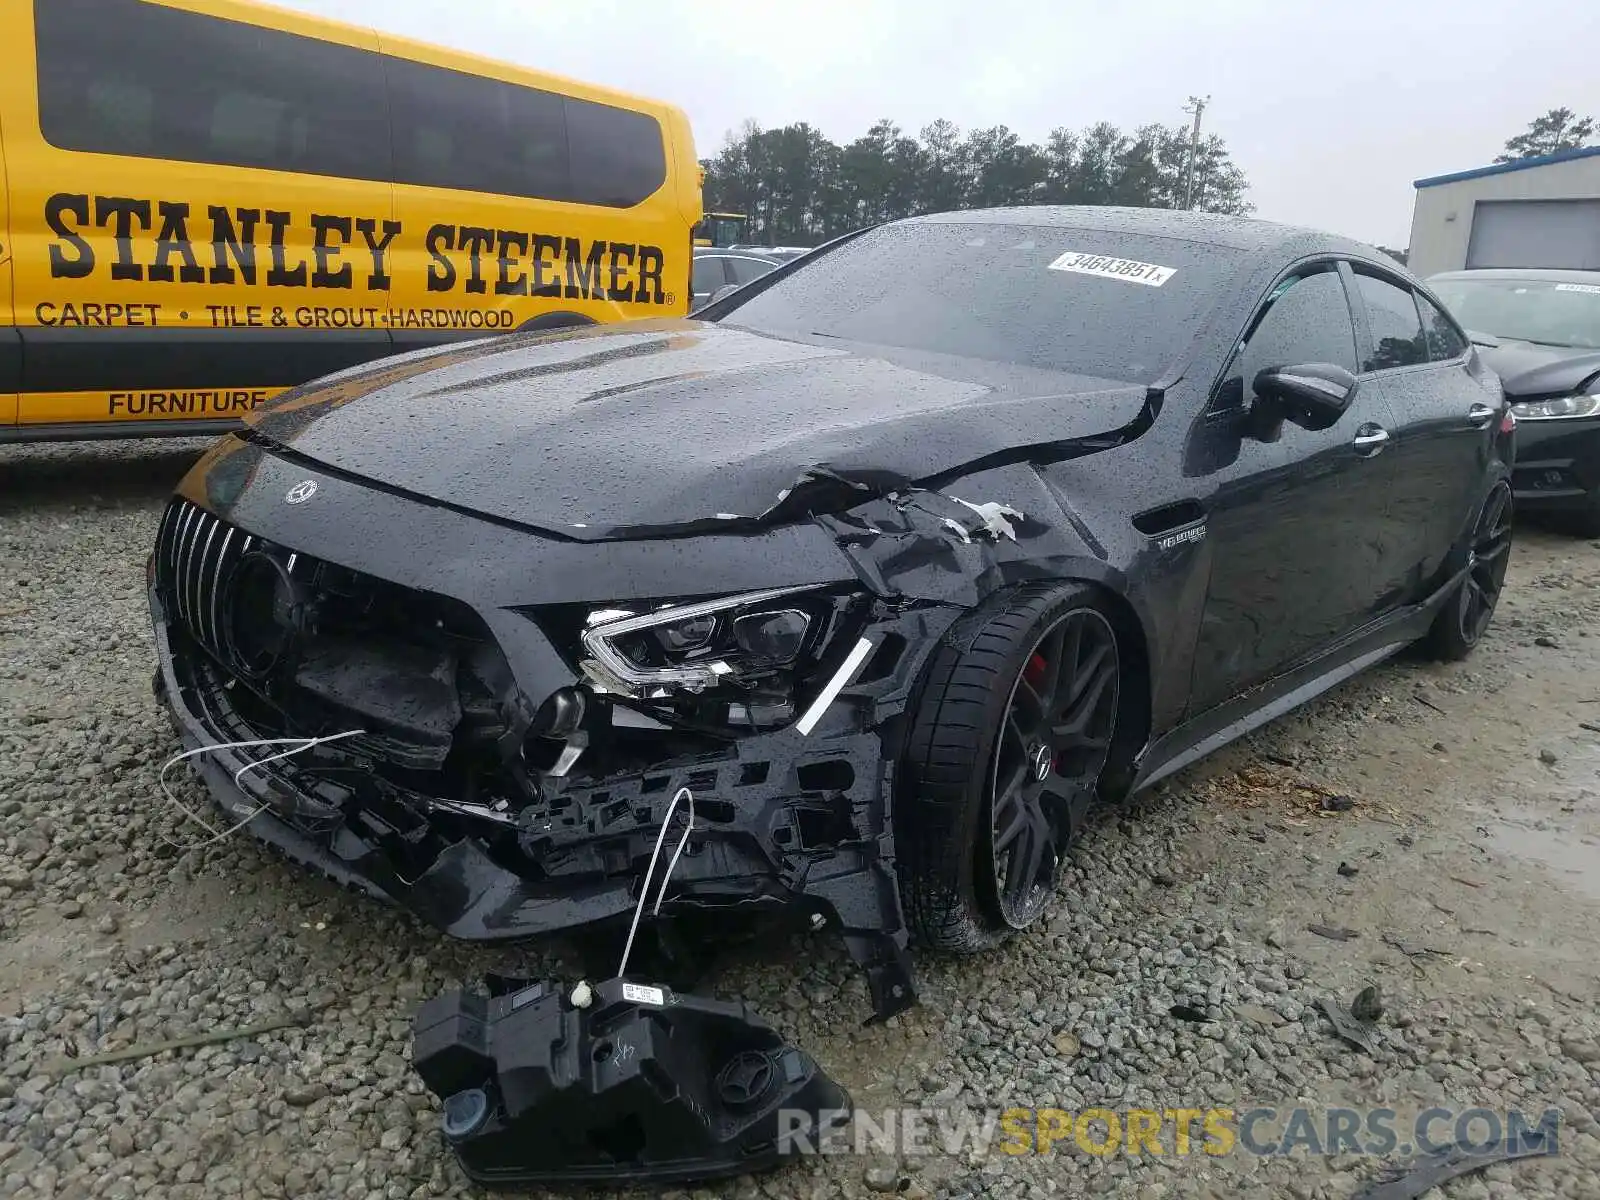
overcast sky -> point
(1332, 108)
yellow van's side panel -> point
(10, 343)
(149, 290)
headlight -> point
(691, 647)
(1562, 406)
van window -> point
(125, 77)
(617, 156)
(134, 78)
(455, 130)
(125, 110)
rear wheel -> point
(1461, 623)
(1009, 738)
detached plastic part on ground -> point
(1433, 1170)
(615, 1082)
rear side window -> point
(1307, 320)
(747, 270)
(707, 275)
(1445, 341)
(130, 78)
(1397, 337)
(455, 130)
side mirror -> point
(1312, 395)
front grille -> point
(194, 553)
(197, 554)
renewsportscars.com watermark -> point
(1261, 1131)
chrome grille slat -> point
(164, 539)
(216, 590)
(174, 538)
(200, 605)
(185, 540)
(196, 540)
(180, 513)
(202, 594)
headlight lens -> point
(691, 647)
(1561, 406)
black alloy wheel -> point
(1462, 622)
(1051, 750)
(1486, 565)
(1011, 730)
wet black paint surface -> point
(637, 431)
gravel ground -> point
(1470, 877)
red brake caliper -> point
(1034, 673)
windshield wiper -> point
(1537, 342)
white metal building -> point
(1540, 212)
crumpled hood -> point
(1527, 369)
(667, 426)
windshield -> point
(1527, 310)
(1113, 305)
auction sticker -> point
(1125, 269)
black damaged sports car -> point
(896, 559)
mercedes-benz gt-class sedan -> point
(895, 559)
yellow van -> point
(205, 202)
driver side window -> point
(1306, 320)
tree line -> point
(798, 188)
(1559, 129)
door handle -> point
(1370, 440)
(1480, 415)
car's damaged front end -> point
(505, 768)
(498, 714)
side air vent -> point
(1156, 521)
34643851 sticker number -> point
(1128, 270)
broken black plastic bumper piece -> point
(616, 1082)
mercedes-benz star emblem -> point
(301, 492)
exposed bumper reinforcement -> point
(468, 894)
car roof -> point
(1535, 274)
(1238, 233)
(732, 252)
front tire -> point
(1010, 734)
(1461, 623)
